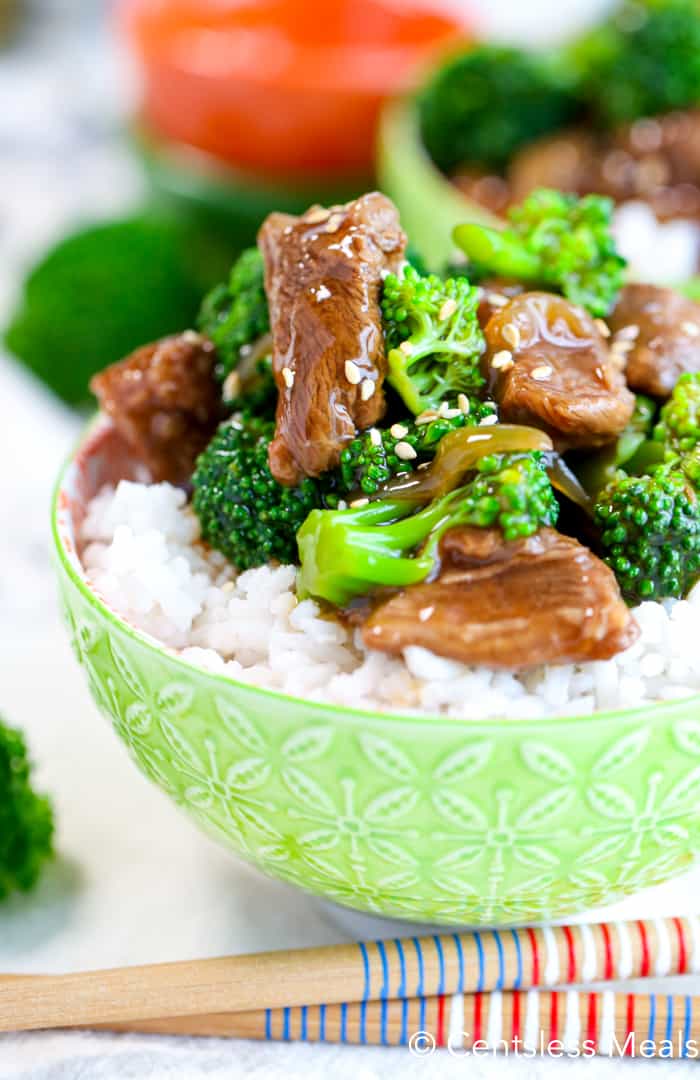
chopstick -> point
(574, 1022)
(365, 972)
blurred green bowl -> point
(413, 817)
(430, 206)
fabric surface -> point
(134, 882)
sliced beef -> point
(323, 274)
(542, 600)
(165, 402)
(660, 332)
(550, 367)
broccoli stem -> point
(504, 256)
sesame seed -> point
(288, 376)
(359, 502)
(488, 420)
(352, 373)
(603, 327)
(398, 431)
(425, 613)
(334, 223)
(511, 334)
(191, 337)
(228, 586)
(541, 372)
(444, 407)
(406, 347)
(342, 505)
(447, 309)
(405, 451)
(690, 328)
(367, 388)
(316, 215)
(426, 417)
(502, 360)
(232, 386)
(375, 437)
(627, 333)
(450, 414)
(496, 299)
(622, 347)
(464, 405)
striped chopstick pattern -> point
(517, 959)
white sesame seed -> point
(375, 437)
(603, 327)
(427, 417)
(367, 388)
(488, 420)
(511, 334)
(406, 347)
(690, 328)
(288, 376)
(398, 431)
(232, 386)
(502, 360)
(334, 223)
(359, 502)
(342, 505)
(191, 337)
(228, 586)
(352, 373)
(464, 405)
(425, 613)
(627, 333)
(496, 299)
(541, 372)
(447, 309)
(450, 414)
(444, 407)
(316, 215)
(405, 451)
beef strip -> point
(323, 274)
(662, 332)
(165, 402)
(562, 378)
(541, 600)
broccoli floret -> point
(555, 240)
(679, 421)
(371, 460)
(644, 61)
(235, 314)
(484, 104)
(26, 819)
(650, 534)
(433, 338)
(347, 553)
(242, 510)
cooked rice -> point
(144, 558)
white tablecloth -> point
(133, 882)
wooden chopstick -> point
(579, 1023)
(400, 968)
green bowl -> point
(413, 817)
(429, 204)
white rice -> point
(144, 559)
(660, 252)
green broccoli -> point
(235, 316)
(242, 510)
(484, 104)
(370, 460)
(555, 240)
(650, 534)
(433, 338)
(26, 820)
(645, 60)
(388, 542)
(679, 421)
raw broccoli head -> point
(235, 315)
(554, 240)
(371, 459)
(483, 105)
(388, 542)
(644, 61)
(679, 422)
(242, 510)
(650, 534)
(26, 820)
(433, 338)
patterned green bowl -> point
(422, 818)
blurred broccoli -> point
(26, 820)
(650, 534)
(242, 510)
(481, 106)
(645, 60)
(555, 240)
(433, 338)
(235, 313)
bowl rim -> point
(70, 563)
